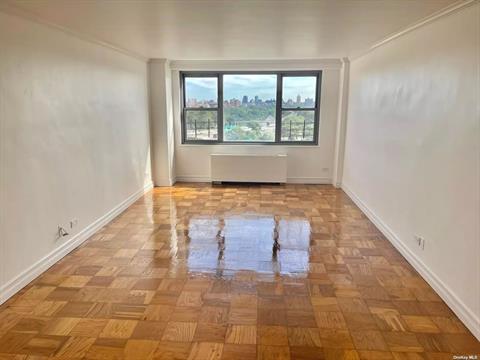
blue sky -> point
(236, 86)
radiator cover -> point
(248, 168)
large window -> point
(253, 107)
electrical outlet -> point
(61, 232)
(420, 242)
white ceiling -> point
(235, 29)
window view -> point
(298, 95)
(201, 92)
(201, 125)
(249, 107)
(299, 92)
(201, 106)
(298, 125)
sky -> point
(262, 85)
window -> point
(201, 108)
(249, 107)
(253, 107)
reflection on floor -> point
(233, 272)
(224, 245)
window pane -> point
(201, 92)
(201, 124)
(249, 107)
(299, 91)
(298, 125)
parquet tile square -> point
(105, 348)
(245, 316)
(402, 342)
(330, 320)
(368, 340)
(241, 334)
(272, 317)
(140, 349)
(265, 352)
(214, 314)
(60, 326)
(75, 348)
(336, 339)
(122, 329)
(272, 335)
(298, 336)
(210, 332)
(185, 314)
(421, 324)
(169, 350)
(45, 345)
(239, 352)
(340, 354)
(149, 330)
(234, 272)
(88, 328)
(206, 351)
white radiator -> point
(248, 168)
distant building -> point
(299, 99)
(192, 102)
(245, 100)
(309, 102)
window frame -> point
(278, 110)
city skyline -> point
(246, 100)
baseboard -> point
(190, 178)
(16, 284)
(308, 180)
(471, 321)
(164, 182)
(290, 180)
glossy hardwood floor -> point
(233, 272)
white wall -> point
(305, 164)
(412, 151)
(74, 141)
(161, 118)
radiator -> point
(248, 168)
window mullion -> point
(220, 108)
(278, 111)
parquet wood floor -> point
(233, 272)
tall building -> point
(245, 100)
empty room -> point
(240, 179)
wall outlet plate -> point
(420, 241)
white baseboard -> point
(20, 281)
(164, 182)
(192, 178)
(471, 321)
(308, 180)
(290, 180)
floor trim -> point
(290, 180)
(20, 281)
(471, 321)
(309, 180)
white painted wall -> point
(74, 140)
(161, 119)
(305, 164)
(412, 151)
